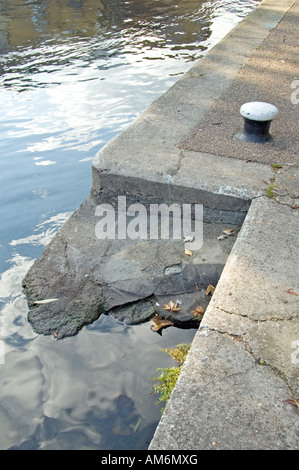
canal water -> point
(73, 74)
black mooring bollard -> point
(257, 119)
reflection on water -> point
(73, 74)
(87, 392)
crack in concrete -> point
(222, 332)
(258, 360)
(179, 164)
(260, 320)
(272, 189)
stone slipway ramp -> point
(79, 277)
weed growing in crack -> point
(169, 376)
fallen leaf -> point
(289, 291)
(172, 306)
(136, 426)
(54, 334)
(46, 301)
(188, 252)
(158, 323)
(229, 231)
(210, 289)
(199, 310)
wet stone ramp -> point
(79, 277)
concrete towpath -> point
(239, 387)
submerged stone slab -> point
(79, 276)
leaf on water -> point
(188, 252)
(172, 306)
(158, 323)
(46, 301)
(198, 311)
(210, 289)
(136, 426)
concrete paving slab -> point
(226, 402)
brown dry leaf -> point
(210, 289)
(172, 306)
(188, 252)
(199, 310)
(159, 322)
(229, 231)
(54, 334)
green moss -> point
(179, 353)
(169, 376)
(276, 166)
(270, 192)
